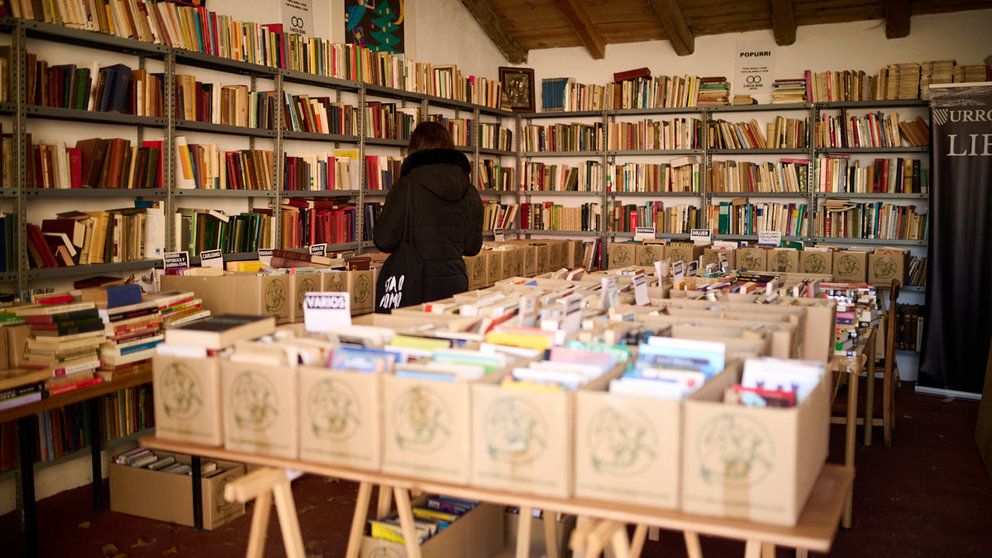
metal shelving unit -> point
(93, 269)
(96, 192)
(868, 241)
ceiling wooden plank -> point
(896, 19)
(670, 15)
(783, 22)
(490, 22)
(584, 28)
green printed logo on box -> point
(254, 401)
(275, 296)
(421, 419)
(735, 450)
(623, 443)
(515, 431)
(182, 397)
(334, 411)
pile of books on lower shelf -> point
(95, 237)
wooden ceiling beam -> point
(489, 20)
(678, 33)
(896, 19)
(584, 28)
(783, 22)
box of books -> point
(475, 267)
(522, 427)
(156, 485)
(813, 260)
(260, 397)
(754, 450)
(886, 265)
(187, 399)
(850, 266)
(513, 263)
(301, 282)
(446, 527)
(556, 254)
(646, 253)
(718, 255)
(339, 413)
(628, 433)
(494, 266)
(360, 284)
(622, 254)
(683, 252)
(574, 250)
(543, 257)
(783, 260)
(752, 259)
(258, 294)
(530, 267)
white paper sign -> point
(297, 16)
(754, 67)
(770, 238)
(265, 255)
(678, 271)
(644, 233)
(212, 258)
(611, 294)
(318, 250)
(701, 237)
(661, 269)
(323, 311)
(173, 260)
(692, 268)
(500, 235)
(640, 288)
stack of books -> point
(671, 368)
(20, 386)
(713, 92)
(133, 332)
(66, 339)
(177, 308)
(788, 91)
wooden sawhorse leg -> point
(591, 537)
(263, 486)
(850, 436)
(403, 507)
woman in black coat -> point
(447, 211)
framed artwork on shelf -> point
(518, 89)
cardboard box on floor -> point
(260, 414)
(339, 418)
(187, 399)
(258, 294)
(169, 497)
(751, 463)
(359, 284)
(850, 266)
(477, 533)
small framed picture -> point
(518, 88)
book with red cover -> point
(38, 242)
(73, 387)
(627, 75)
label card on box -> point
(640, 288)
(265, 255)
(724, 262)
(692, 268)
(212, 258)
(323, 311)
(500, 235)
(701, 237)
(770, 238)
(318, 249)
(644, 233)
(611, 294)
(678, 271)
(173, 260)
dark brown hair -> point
(429, 135)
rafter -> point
(670, 15)
(783, 22)
(491, 23)
(896, 19)
(584, 28)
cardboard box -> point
(622, 254)
(494, 267)
(647, 253)
(712, 256)
(884, 266)
(574, 250)
(683, 251)
(513, 263)
(816, 261)
(752, 259)
(359, 284)
(339, 418)
(169, 497)
(477, 533)
(260, 414)
(750, 463)
(187, 399)
(783, 260)
(258, 294)
(850, 266)
(530, 260)
(543, 262)
(556, 254)
(475, 267)
(299, 285)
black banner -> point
(958, 324)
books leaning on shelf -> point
(92, 237)
(551, 216)
(94, 163)
(115, 88)
(788, 175)
(575, 136)
(308, 222)
(320, 172)
(871, 220)
(909, 327)
(229, 105)
(782, 133)
(208, 167)
(649, 134)
(681, 174)
(917, 274)
(494, 176)
(841, 173)
(459, 128)
(658, 92)
(382, 171)
(498, 215)
(871, 130)
(494, 136)
(196, 230)
(545, 177)
(737, 216)
(390, 121)
(673, 219)
(318, 115)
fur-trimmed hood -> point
(443, 172)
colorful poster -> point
(374, 24)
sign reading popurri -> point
(754, 67)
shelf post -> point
(279, 158)
(20, 156)
(169, 157)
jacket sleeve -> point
(473, 236)
(388, 230)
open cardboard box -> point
(340, 417)
(299, 285)
(751, 463)
(257, 294)
(188, 399)
(260, 414)
(359, 284)
(169, 497)
(477, 533)
(414, 320)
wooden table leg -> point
(526, 516)
(358, 519)
(802, 553)
(637, 543)
(601, 536)
(550, 534)
(289, 523)
(619, 543)
(870, 402)
(849, 441)
(767, 550)
(888, 406)
(752, 549)
(410, 541)
(385, 505)
(692, 546)
(259, 525)
(654, 534)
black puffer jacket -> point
(447, 218)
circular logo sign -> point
(275, 296)
(363, 288)
(306, 285)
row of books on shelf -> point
(92, 237)
(550, 216)
(196, 230)
(670, 219)
(871, 130)
(209, 167)
(642, 91)
(916, 276)
(678, 175)
(787, 175)
(498, 215)
(650, 134)
(309, 222)
(841, 173)
(544, 177)
(90, 163)
(574, 136)
(909, 320)
(493, 175)
(871, 220)
(738, 217)
(390, 121)
(892, 82)
(782, 133)
(114, 88)
(200, 30)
